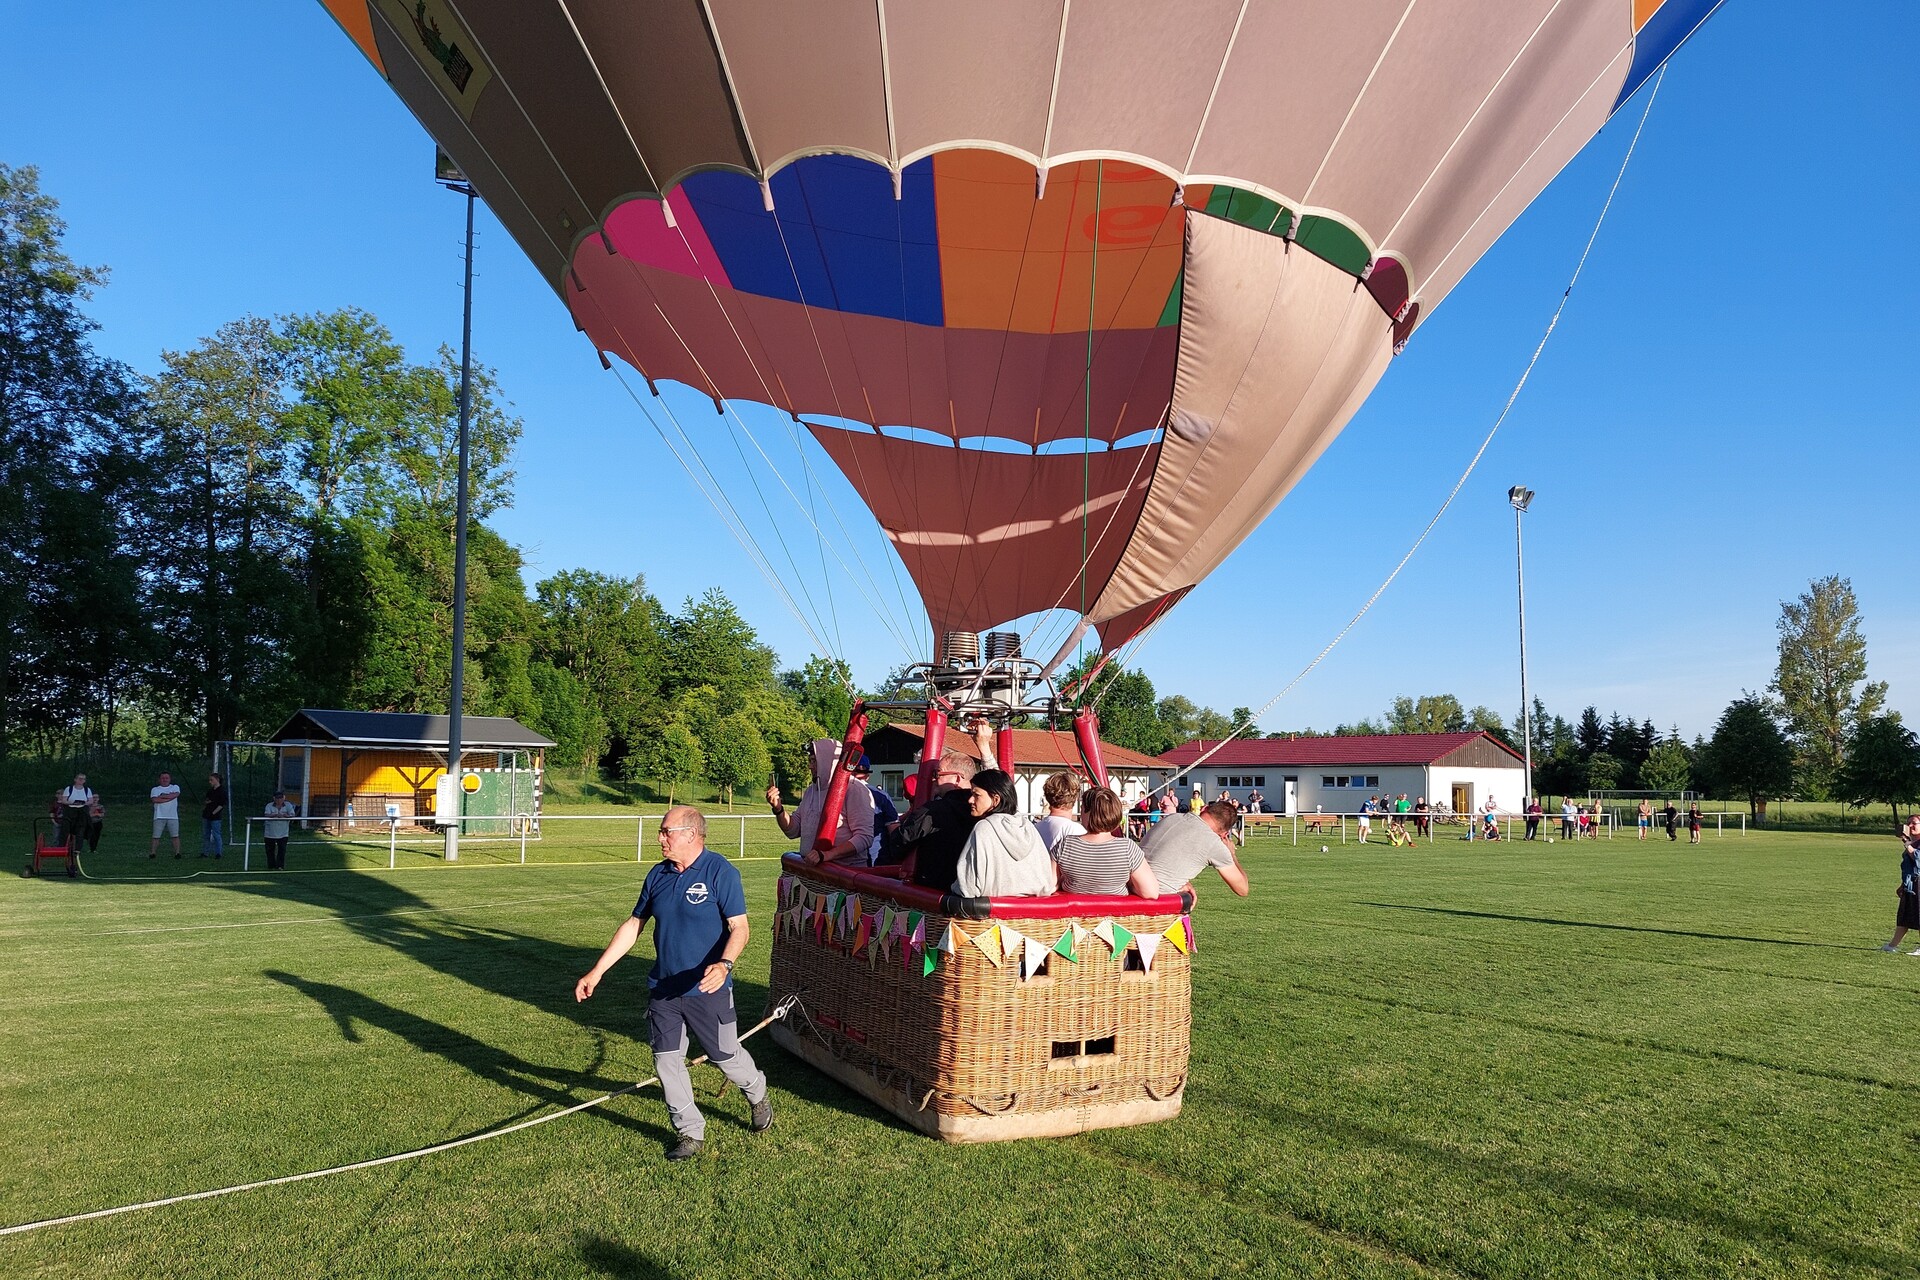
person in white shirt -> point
(76, 804)
(166, 815)
(1062, 791)
(276, 830)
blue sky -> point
(1718, 419)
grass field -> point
(1473, 1060)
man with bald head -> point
(699, 913)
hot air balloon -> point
(1073, 293)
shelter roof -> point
(1357, 749)
(405, 729)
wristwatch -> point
(727, 963)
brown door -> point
(1462, 799)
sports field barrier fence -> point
(521, 828)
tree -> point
(1749, 755)
(1487, 720)
(1603, 772)
(821, 688)
(1126, 702)
(1882, 765)
(1431, 713)
(1821, 678)
(1591, 735)
(1177, 716)
(70, 628)
(668, 753)
(1212, 726)
(1667, 768)
(605, 632)
(736, 754)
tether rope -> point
(1474, 462)
(780, 1011)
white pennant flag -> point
(1148, 944)
(947, 936)
(1034, 956)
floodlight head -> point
(1519, 496)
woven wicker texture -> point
(974, 1038)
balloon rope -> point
(780, 1011)
(1086, 386)
(1479, 453)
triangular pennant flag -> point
(988, 940)
(1186, 924)
(1122, 937)
(1011, 940)
(1149, 943)
(1104, 932)
(1064, 947)
(861, 932)
(1031, 958)
(928, 963)
(917, 940)
(853, 907)
(1177, 934)
(782, 888)
(886, 920)
(1080, 934)
(949, 938)
(819, 926)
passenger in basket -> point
(1103, 860)
(1061, 790)
(1003, 857)
(934, 834)
(853, 837)
(1185, 843)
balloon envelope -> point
(1072, 294)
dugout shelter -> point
(351, 766)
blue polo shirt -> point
(689, 910)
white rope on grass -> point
(780, 1011)
(1474, 462)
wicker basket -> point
(972, 1051)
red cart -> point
(49, 846)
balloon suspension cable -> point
(1474, 462)
(716, 497)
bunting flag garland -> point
(1032, 958)
(988, 940)
(1122, 938)
(1011, 942)
(1177, 934)
(1065, 948)
(1149, 943)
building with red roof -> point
(894, 752)
(1338, 774)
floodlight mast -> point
(448, 175)
(1520, 496)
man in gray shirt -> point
(1181, 845)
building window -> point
(1259, 779)
(1328, 781)
(1373, 779)
(1220, 781)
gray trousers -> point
(711, 1020)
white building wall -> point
(1505, 785)
(1314, 793)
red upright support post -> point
(842, 774)
(936, 742)
(1086, 733)
(1003, 747)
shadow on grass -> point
(1600, 924)
(612, 1258)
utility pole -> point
(453, 179)
(1520, 496)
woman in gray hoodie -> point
(1004, 857)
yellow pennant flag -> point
(988, 940)
(1177, 935)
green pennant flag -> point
(1064, 947)
(913, 922)
(928, 962)
(1122, 938)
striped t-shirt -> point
(1096, 866)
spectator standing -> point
(213, 818)
(1366, 817)
(1567, 815)
(1672, 816)
(1256, 803)
(76, 805)
(1644, 818)
(699, 913)
(1693, 823)
(1490, 814)
(277, 830)
(1533, 817)
(1906, 912)
(165, 797)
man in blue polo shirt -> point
(699, 913)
